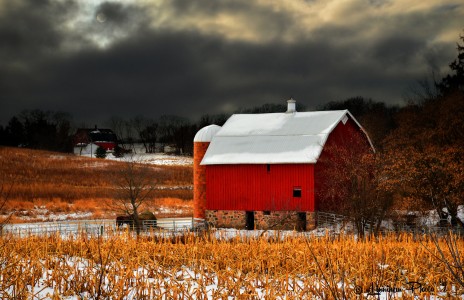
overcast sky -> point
(96, 59)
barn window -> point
(345, 119)
(297, 191)
(268, 168)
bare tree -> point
(135, 183)
(177, 131)
(149, 136)
(117, 124)
(139, 123)
(350, 184)
(454, 261)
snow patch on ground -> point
(152, 158)
(43, 214)
(94, 164)
(170, 210)
(431, 218)
(58, 157)
(64, 217)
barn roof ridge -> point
(296, 137)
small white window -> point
(345, 119)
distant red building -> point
(101, 137)
(261, 170)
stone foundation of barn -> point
(261, 220)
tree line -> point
(48, 130)
(54, 131)
(37, 129)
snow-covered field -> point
(156, 159)
(139, 155)
(75, 277)
(41, 213)
(67, 210)
(185, 283)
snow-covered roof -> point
(206, 133)
(273, 138)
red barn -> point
(261, 170)
(99, 137)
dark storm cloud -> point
(28, 34)
(123, 65)
(114, 12)
(35, 59)
(147, 75)
(184, 73)
(26, 27)
(396, 49)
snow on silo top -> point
(206, 133)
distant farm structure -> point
(261, 170)
(87, 140)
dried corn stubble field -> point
(207, 267)
(51, 183)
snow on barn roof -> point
(273, 137)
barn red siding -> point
(106, 145)
(341, 136)
(343, 133)
(253, 188)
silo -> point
(200, 145)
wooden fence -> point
(100, 227)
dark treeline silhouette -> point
(454, 82)
(38, 129)
(53, 131)
(154, 134)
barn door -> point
(250, 220)
(301, 222)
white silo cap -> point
(206, 134)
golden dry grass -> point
(67, 183)
(191, 266)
